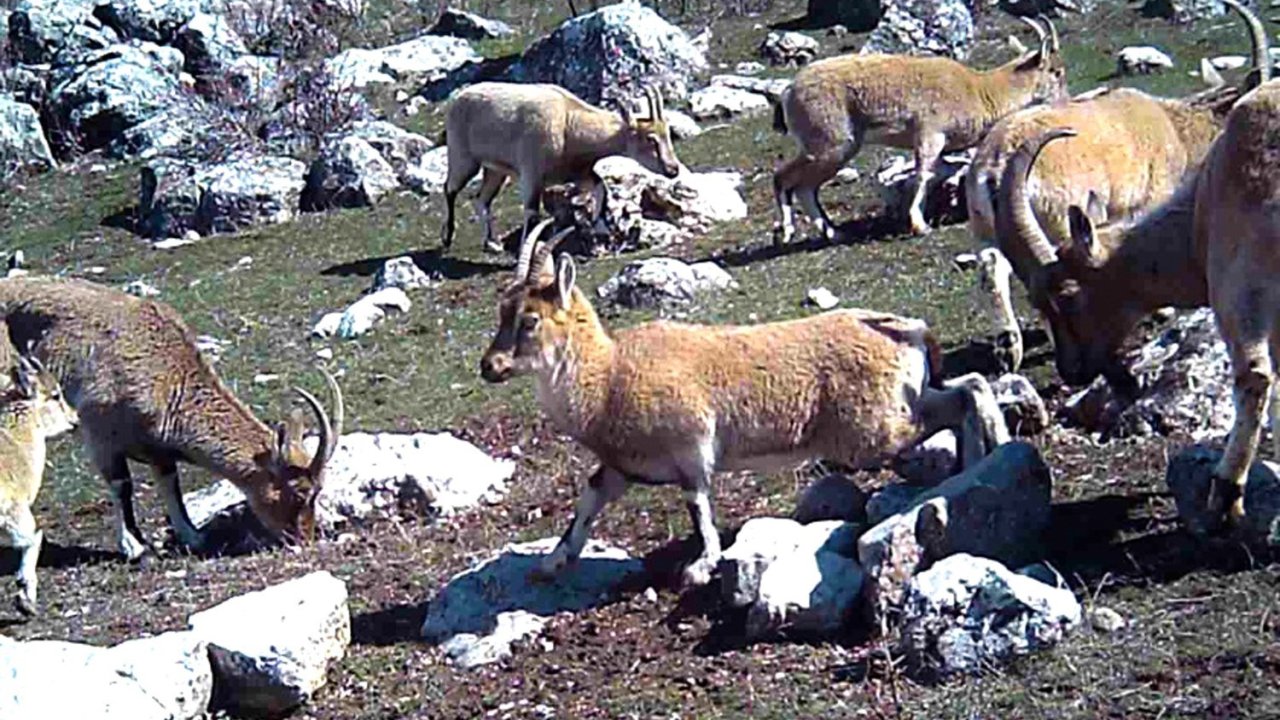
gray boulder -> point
(944, 201)
(663, 282)
(480, 612)
(169, 198)
(853, 15)
(790, 49)
(970, 614)
(22, 141)
(998, 508)
(249, 191)
(1189, 477)
(26, 83)
(210, 45)
(271, 649)
(404, 150)
(929, 462)
(348, 173)
(722, 102)
(154, 20)
(422, 60)
(612, 53)
(891, 500)
(469, 26)
(834, 496)
(167, 677)
(1184, 376)
(400, 272)
(923, 27)
(38, 29)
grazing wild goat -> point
(1216, 242)
(927, 104)
(143, 392)
(670, 403)
(543, 134)
(31, 411)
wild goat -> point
(543, 134)
(1214, 242)
(1131, 152)
(131, 370)
(667, 402)
(928, 104)
(31, 411)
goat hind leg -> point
(928, 149)
(128, 534)
(491, 184)
(1253, 381)
(19, 532)
(167, 476)
(604, 486)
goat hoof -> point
(26, 606)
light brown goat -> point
(927, 104)
(31, 411)
(670, 403)
(143, 392)
(543, 134)
(1216, 242)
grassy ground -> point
(1202, 639)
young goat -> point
(1216, 242)
(32, 411)
(670, 403)
(543, 134)
(131, 370)
(927, 104)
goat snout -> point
(496, 367)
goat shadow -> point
(434, 262)
(876, 227)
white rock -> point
(683, 127)
(821, 297)
(788, 48)
(142, 289)
(424, 59)
(272, 648)
(325, 353)
(167, 677)
(1023, 408)
(944, 197)
(966, 613)
(400, 272)
(748, 68)
(265, 378)
(771, 88)
(172, 243)
(481, 611)
(1229, 62)
(758, 544)
(662, 282)
(722, 102)
(360, 317)
(847, 176)
(327, 326)
(1142, 59)
(428, 174)
(1106, 620)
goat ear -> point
(1083, 250)
(566, 276)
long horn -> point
(1053, 35)
(327, 440)
(1017, 201)
(658, 107)
(1040, 32)
(1257, 39)
(526, 250)
(545, 249)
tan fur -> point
(668, 402)
(1213, 243)
(32, 410)
(143, 392)
(926, 104)
(542, 134)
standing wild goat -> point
(31, 411)
(544, 134)
(928, 104)
(672, 403)
(131, 370)
(1216, 242)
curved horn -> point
(1017, 201)
(1257, 39)
(1053, 35)
(1040, 32)
(327, 440)
(545, 249)
(657, 103)
(526, 250)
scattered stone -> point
(1106, 620)
(944, 201)
(142, 289)
(846, 176)
(469, 26)
(771, 88)
(247, 192)
(360, 317)
(834, 496)
(997, 509)
(1142, 60)
(347, 173)
(1229, 62)
(923, 27)
(22, 141)
(1189, 478)
(1184, 379)
(969, 614)
(682, 126)
(722, 102)
(930, 462)
(422, 60)
(482, 611)
(1024, 409)
(663, 282)
(758, 544)
(428, 174)
(748, 68)
(791, 49)
(612, 53)
(821, 298)
(271, 649)
(809, 590)
(400, 272)
(167, 677)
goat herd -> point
(1107, 206)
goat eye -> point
(529, 322)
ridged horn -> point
(1257, 39)
(1017, 201)
(526, 250)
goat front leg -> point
(128, 535)
(491, 184)
(603, 487)
(18, 531)
(696, 486)
(1251, 363)
(966, 405)
(928, 149)
(167, 477)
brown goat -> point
(143, 392)
(927, 104)
(542, 134)
(1215, 242)
(671, 403)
